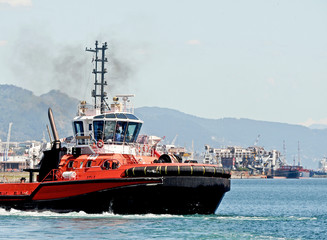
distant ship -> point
(288, 171)
(304, 173)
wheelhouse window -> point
(98, 130)
(120, 131)
(109, 130)
(132, 131)
(78, 127)
(116, 131)
(79, 131)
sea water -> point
(253, 209)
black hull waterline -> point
(164, 195)
(287, 174)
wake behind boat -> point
(104, 168)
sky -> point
(262, 60)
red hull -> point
(174, 195)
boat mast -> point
(102, 95)
(284, 152)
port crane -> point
(256, 141)
(5, 155)
(174, 140)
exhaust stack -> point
(54, 130)
(50, 137)
(51, 158)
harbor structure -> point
(323, 165)
(256, 159)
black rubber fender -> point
(167, 170)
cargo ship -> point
(304, 173)
(295, 171)
(287, 171)
(104, 169)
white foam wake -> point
(50, 214)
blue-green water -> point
(253, 209)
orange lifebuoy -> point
(100, 143)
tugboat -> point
(105, 169)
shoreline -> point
(13, 177)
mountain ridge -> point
(28, 113)
(29, 116)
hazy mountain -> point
(318, 126)
(241, 132)
(29, 116)
(29, 113)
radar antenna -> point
(102, 95)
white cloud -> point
(310, 122)
(141, 52)
(2, 42)
(193, 42)
(17, 3)
(271, 81)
